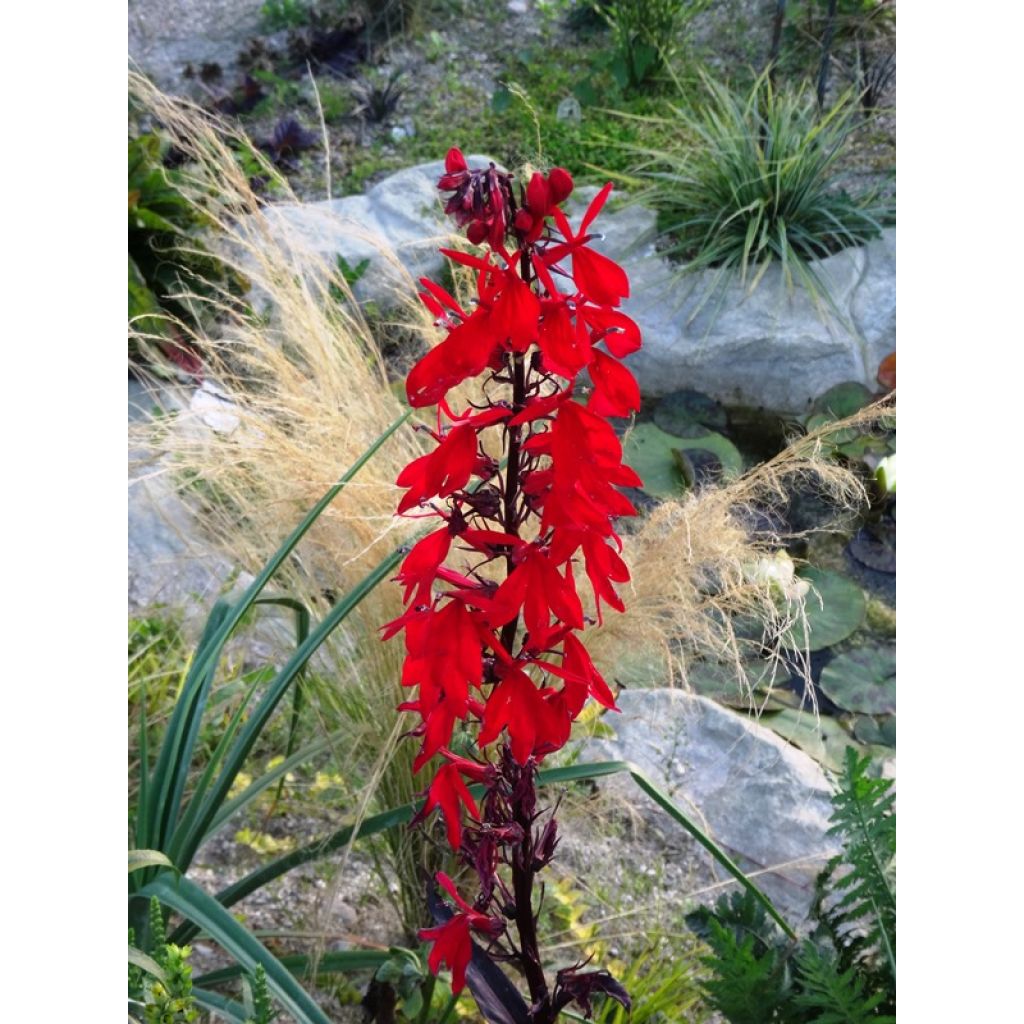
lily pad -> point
(843, 400)
(695, 440)
(648, 450)
(719, 681)
(880, 731)
(874, 549)
(862, 680)
(835, 608)
(684, 407)
(822, 738)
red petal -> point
(600, 279)
(616, 392)
(595, 208)
(455, 161)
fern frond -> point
(836, 998)
(863, 920)
(752, 982)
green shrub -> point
(750, 181)
(646, 34)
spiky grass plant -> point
(751, 183)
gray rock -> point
(773, 347)
(765, 802)
(165, 35)
(397, 225)
(166, 567)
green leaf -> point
(862, 680)
(221, 1006)
(843, 400)
(648, 450)
(146, 963)
(138, 859)
(835, 608)
(823, 738)
(191, 902)
(879, 731)
(338, 962)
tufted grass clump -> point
(750, 181)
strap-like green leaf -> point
(192, 902)
(221, 1006)
(146, 963)
(138, 859)
(299, 964)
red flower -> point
(599, 279)
(536, 585)
(535, 723)
(421, 564)
(616, 392)
(449, 793)
(452, 942)
(443, 471)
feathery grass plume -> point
(691, 561)
(310, 391)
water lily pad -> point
(719, 681)
(822, 738)
(652, 453)
(874, 549)
(680, 408)
(834, 609)
(880, 731)
(648, 450)
(695, 440)
(843, 400)
(862, 680)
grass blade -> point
(340, 962)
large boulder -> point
(397, 225)
(166, 35)
(765, 802)
(775, 347)
(168, 566)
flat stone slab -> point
(765, 802)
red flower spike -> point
(539, 321)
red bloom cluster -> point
(545, 310)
